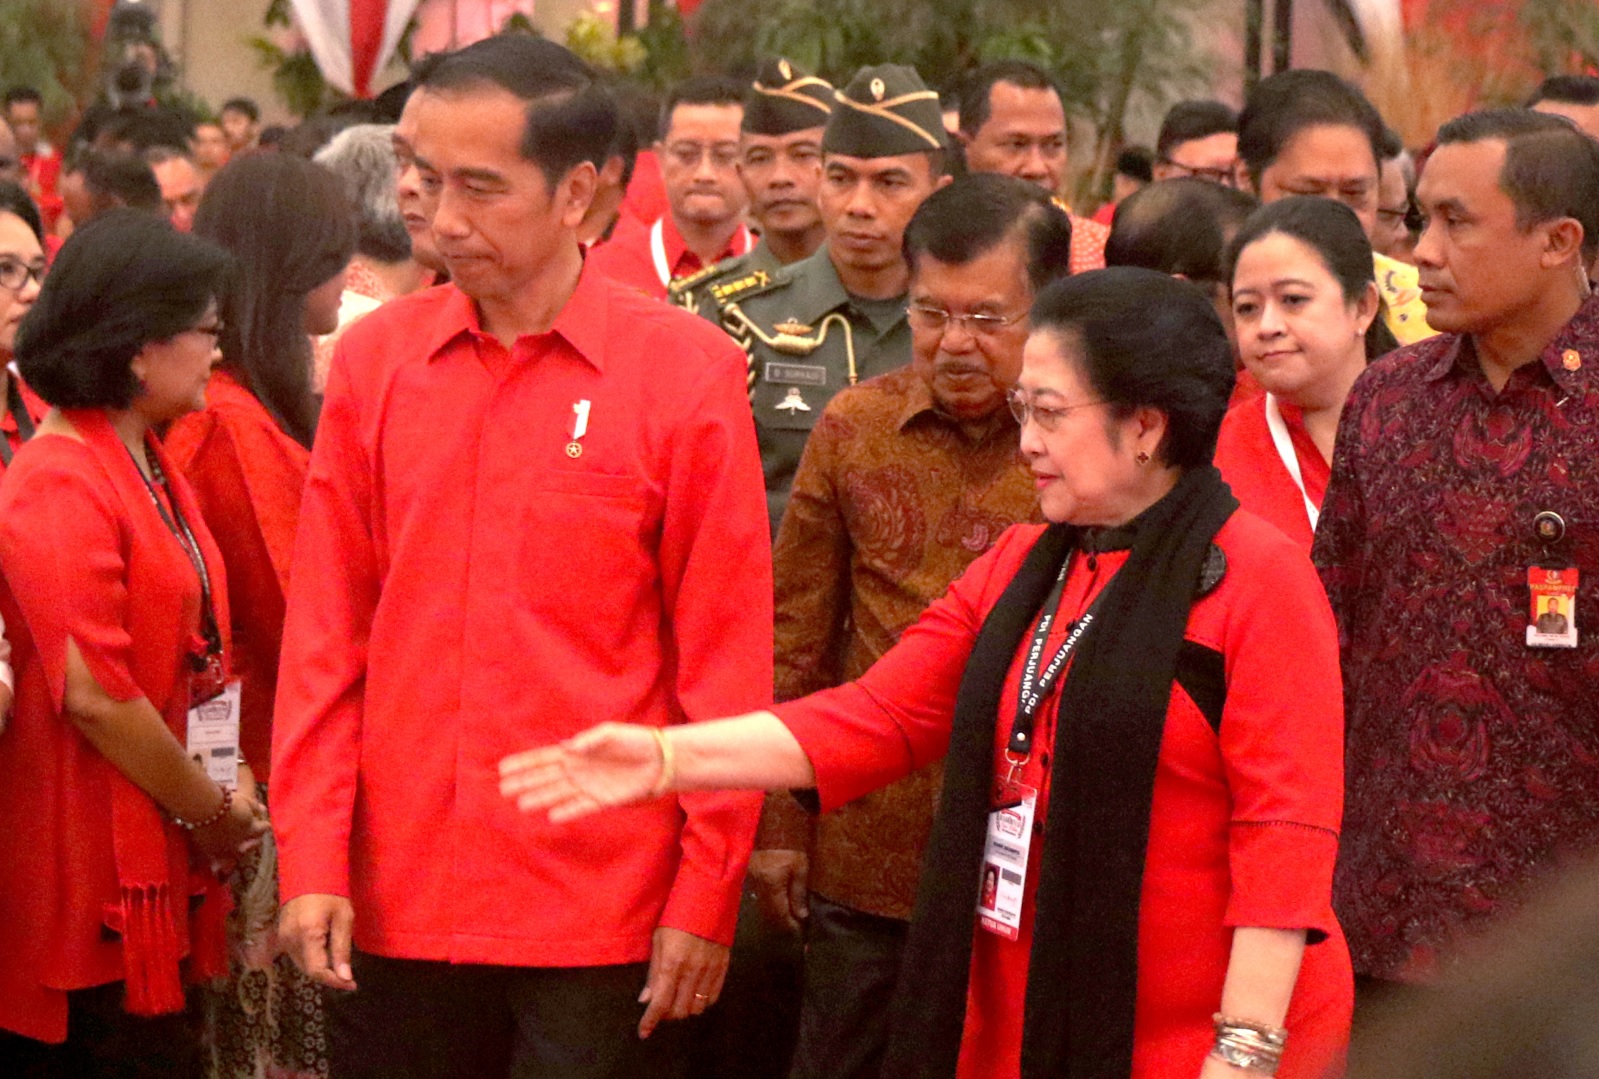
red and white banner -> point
(351, 40)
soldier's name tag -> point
(1010, 834)
(801, 374)
(1554, 607)
(213, 737)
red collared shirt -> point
(650, 257)
(43, 170)
(472, 580)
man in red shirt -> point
(535, 497)
(698, 155)
(41, 163)
(1012, 122)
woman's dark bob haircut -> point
(1147, 340)
(17, 202)
(123, 281)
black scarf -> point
(1082, 980)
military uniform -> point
(693, 292)
(806, 339)
(805, 336)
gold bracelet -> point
(668, 763)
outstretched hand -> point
(613, 764)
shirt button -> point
(1549, 526)
(1571, 360)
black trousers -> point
(851, 963)
(105, 1042)
(416, 1019)
(749, 1033)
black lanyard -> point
(180, 531)
(1036, 686)
(19, 413)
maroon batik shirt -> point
(1473, 760)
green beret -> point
(885, 111)
(784, 99)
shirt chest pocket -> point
(589, 540)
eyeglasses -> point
(938, 320)
(1048, 419)
(14, 273)
(1225, 177)
(690, 154)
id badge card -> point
(213, 740)
(1010, 834)
(1553, 618)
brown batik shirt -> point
(892, 501)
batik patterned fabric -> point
(1473, 759)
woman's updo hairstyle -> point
(121, 282)
(1147, 340)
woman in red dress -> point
(291, 233)
(22, 270)
(1303, 300)
(112, 827)
(1122, 676)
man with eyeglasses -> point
(780, 165)
(906, 480)
(838, 317)
(1198, 139)
(704, 223)
(1396, 180)
(1309, 132)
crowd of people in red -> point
(1163, 636)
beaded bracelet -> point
(222, 811)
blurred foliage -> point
(295, 77)
(1107, 57)
(594, 39)
(45, 44)
(1563, 34)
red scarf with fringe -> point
(152, 852)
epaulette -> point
(680, 284)
(752, 283)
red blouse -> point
(247, 475)
(31, 403)
(1244, 823)
(1252, 467)
(84, 555)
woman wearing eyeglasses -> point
(22, 270)
(1150, 761)
(111, 835)
(291, 232)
